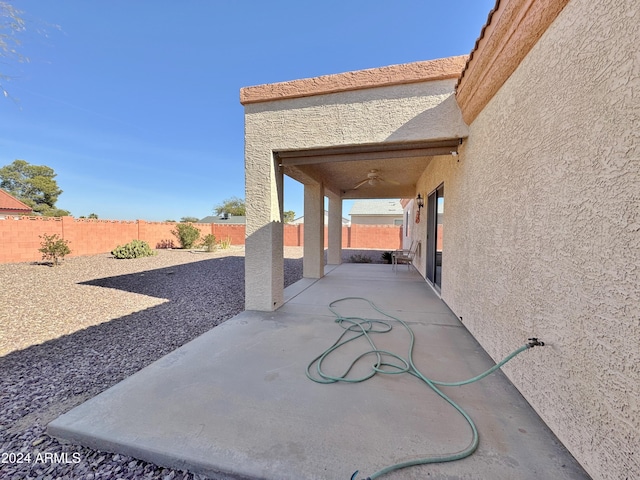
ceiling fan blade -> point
(392, 182)
(361, 183)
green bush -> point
(133, 249)
(209, 243)
(186, 234)
(53, 248)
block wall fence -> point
(20, 236)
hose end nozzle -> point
(534, 342)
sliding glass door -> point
(435, 229)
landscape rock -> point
(69, 333)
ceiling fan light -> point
(374, 181)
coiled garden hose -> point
(360, 327)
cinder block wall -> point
(293, 234)
(234, 232)
(20, 238)
(88, 237)
(159, 234)
(376, 236)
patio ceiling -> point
(340, 169)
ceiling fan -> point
(373, 178)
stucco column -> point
(334, 253)
(264, 263)
(313, 261)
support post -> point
(313, 251)
(264, 259)
(334, 253)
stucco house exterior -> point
(376, 212)
(525, 155)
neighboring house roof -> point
(229, 220)
(300, 220)
(10, 204)
(376, 207)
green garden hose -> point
(358, 327)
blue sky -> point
(135, 104)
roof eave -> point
(513, 27)
(416, 72)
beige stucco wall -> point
(399, 113)
(443, 169)
(542, 231)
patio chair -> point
(405, 256)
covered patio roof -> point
(342, 169)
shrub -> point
(225, 243)
(209, 243)
(386, 257)
(165, 244)
(53, 248)
(133, 249)
(359, 258)
(186, 234)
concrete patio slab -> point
(235, 403)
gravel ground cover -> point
(70, 332)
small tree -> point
(186, 234)
(34, 185)
(233, 206)
(289, 216)
(189, 220)
(53, 248)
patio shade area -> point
(236, 403)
